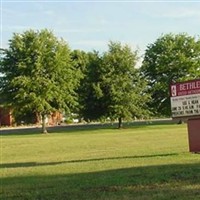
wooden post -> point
(194, 134)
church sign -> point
(185, 99)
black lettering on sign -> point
(174, 108)
(194, 101)
(184, 103)
(196, 111)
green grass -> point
(141, 162)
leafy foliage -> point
(171, 58)
(38, 74)
(112, 86)
(80, 61)
(121, 83)
(92, 102)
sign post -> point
(185, 104)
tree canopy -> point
(92, 103)
(171, 58)
(122, 86)
(38, 74)
(112, 85)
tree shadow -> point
(19, 131)
(55, 129)
(175, 181)
(81, 127)
(36, 164)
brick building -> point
(7, 119)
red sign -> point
(185, 98)
(185, 88)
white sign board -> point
(185, 99)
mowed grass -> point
(141, 162)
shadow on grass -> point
(36, 164)
(19, 131)
(81, 127)
(176, 181)
(54, 129)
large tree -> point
(171, 58)
(38, 74)
(111, 86)
(121, 84)
(80, 61)
(92, 103)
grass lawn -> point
(141, 162)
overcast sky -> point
(90, 25)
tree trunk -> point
(44, 130)
(119, 122)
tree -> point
(121, 85)
(80, 61)
(38, 74)
(92, 103)
(171, 58)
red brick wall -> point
(5, 117)
(194, 134)
(55, 118)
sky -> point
(90, 25)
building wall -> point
(5, 117)
(55, 118)
(52, 119)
